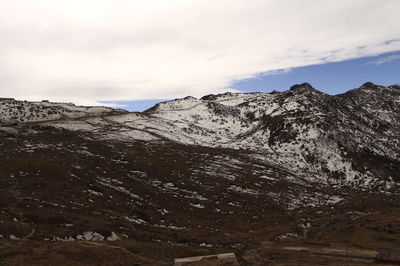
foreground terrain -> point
(253, 174)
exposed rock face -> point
(113, 237)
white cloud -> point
(114, 105)
(386, 59)
(86, 51)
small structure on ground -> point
(217, 259)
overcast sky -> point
(86, 51)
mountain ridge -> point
(290, 127)
(223, 172)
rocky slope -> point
(14, 111)
(223, 172)
(349, 139)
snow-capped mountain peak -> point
(308, 132)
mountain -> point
(348, 139)
(194, 176)
(13, 111)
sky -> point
(134, 53)
(331, 78)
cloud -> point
(86, 51)
(386, 59)
(113, 105)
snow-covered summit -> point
(306, 131)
